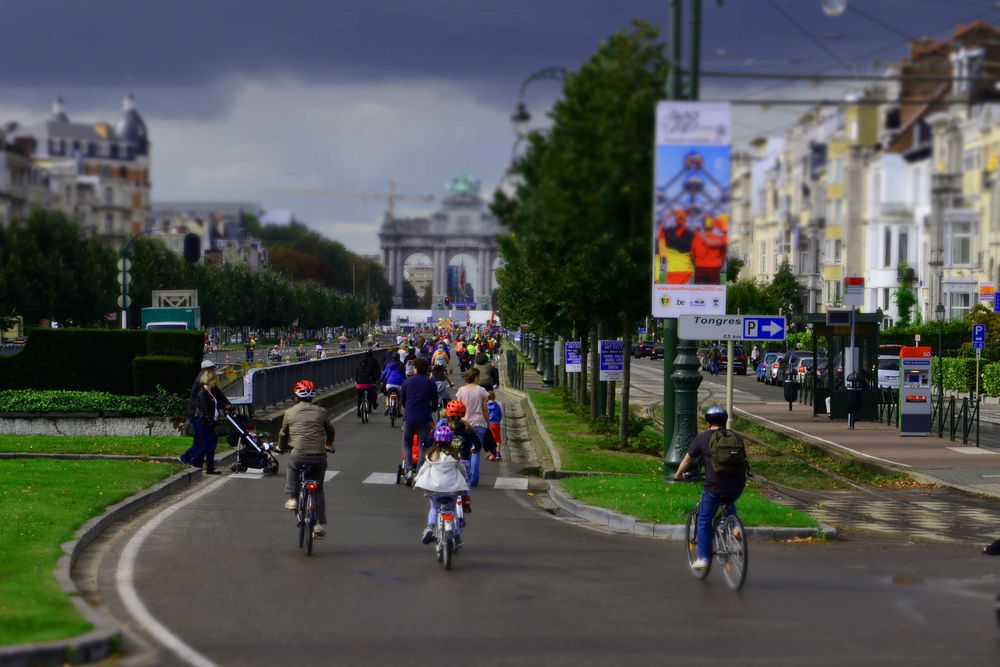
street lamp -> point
(833, 7)
(520, 119)
(123, 267)
(939, 316)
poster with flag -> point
(691, 208)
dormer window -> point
(964, 65)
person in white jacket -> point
(442, 475)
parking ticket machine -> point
(915, 392)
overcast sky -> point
(342, 95)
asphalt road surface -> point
(219, 580)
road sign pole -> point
(729, 382)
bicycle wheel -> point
(734, 569)
(392, 415)
(446, 551)
(364, 410)
(310, 521)
(301, 519)
(691, 539)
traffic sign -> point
(854, 291)
(128, 301)
(996, 302)
(731, 327)
(574, 358)
(978, 336)
(124, 264)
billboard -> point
(690, 208)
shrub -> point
(959, 373)
(174, 374)
(96, 402)
(991, 379)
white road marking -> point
(971, 450)
(515, 483)
(125, 578)
(330, 474)
(380, 478)
(829, 442)
(247, 474)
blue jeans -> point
(203, 449)
(706, 512)
(476, 453)
(195, 441)
(425, 431)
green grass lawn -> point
(125, 445)
(579, 448)
(651, 499)
(42, 503)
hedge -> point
(93, 359)
(101, 403)
(990, 383)
(174, 374)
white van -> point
(161, 326)
(888, 372)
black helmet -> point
(716, 416)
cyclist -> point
(468, 440)
(392, 379)
(720, 487)
(365, 378)
(441, 475)
(307, 431)
(419, 398)
(441, 376)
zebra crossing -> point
(389, 478)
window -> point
(960, 303)
(904, 242)
(887, 248)
(970, 160)
(961, 243)
(69, 195)
(837, 246)
(109, 223)
(886, 300)
(109, 196)
(763, 256)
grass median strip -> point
(651, 499)
(86, 444)
(42, 504)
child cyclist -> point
(442, 476)
(495, 417)
(468, 440)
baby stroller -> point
(250, 451)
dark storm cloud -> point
(487, 45)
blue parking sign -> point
(979, 336)
(996, 302)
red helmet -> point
(305, 389)
(455, 409)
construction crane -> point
(392, 196)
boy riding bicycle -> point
(722, 453)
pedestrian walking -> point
(714, 356)
(755, 357)
(210, 403)
(474, 397)
(495, 417)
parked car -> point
(739, 360)
(656, 352)
(764, 365)
(790, 363)
(775, 368)
(644, 348)
(888, 371)
(806, 364)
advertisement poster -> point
(574, 358)
(691, 208)
(986, 292)
(612, 360)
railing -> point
(807, 390)
(270, 386)
(888, 407)
(957, 419)
(515, 370)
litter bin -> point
(791, 388)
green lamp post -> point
(939, 316)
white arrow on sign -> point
(772, 327)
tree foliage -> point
(579, 249)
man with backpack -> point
(724, 456)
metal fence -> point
(270, 386)
(515, 370)
(956, 419)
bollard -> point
(791, 387)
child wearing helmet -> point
(441, 475)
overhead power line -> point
(721, 74)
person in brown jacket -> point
(306, 430)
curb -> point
(90, 457)
(552, 463)
(106, 638)
(629, 524)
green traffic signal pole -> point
(681, 375)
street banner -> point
(612, 360)
(691, 208)
(986, 292)
(574, 360)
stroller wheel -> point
(399, 474)
(243, 468)
(235, 467)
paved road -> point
(224, 575)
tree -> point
(410, 298)
(733, 267)
(426, 301)
(580, 219)
(746, 297)
(783, 292)
(905, 297)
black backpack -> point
(728, 453)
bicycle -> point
(366, 408)
(306, 517)
(729, 543)
(449, 516)
(393, 404)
